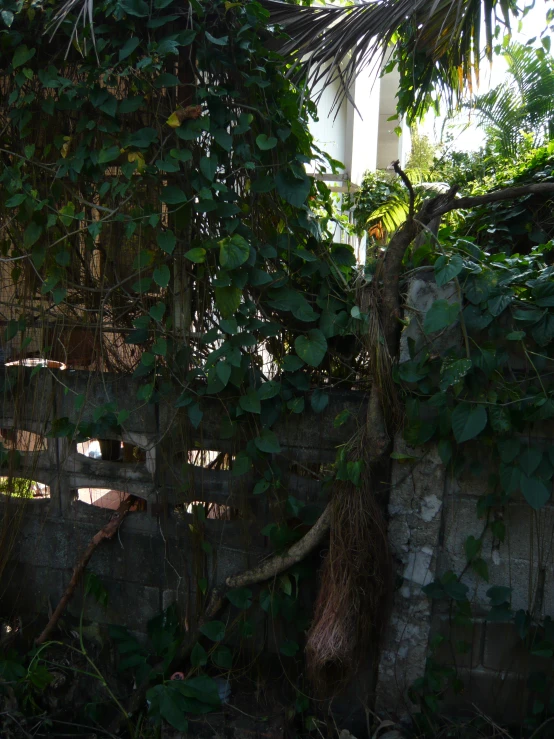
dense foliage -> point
(158, 218)
(155, 203)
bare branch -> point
(406, 180)
(509, 193)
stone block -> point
(460, 521)
(231, 562)
(28, 589)
(129, 604)
(503, 698)
(504, 650)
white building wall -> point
(362, 138)
(331, 130)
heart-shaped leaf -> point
(440, 315)
(268, 442)
(157, 311)
(173, 196)
(265, 142)
(196, 255)
(446, 269)
(162, 275)
(233, 251)
(312, 347)
(468, 421)
(240, 597)
(535, 491)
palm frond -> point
(440, 40)
(524, 104)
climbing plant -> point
(159, 218)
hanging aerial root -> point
(354, 590)
(356, 579)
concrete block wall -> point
(430, 517)
(153, 560)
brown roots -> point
(354, 591)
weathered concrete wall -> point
(151, 563)
(431, 516)
(154, 559)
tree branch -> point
(509, 193)
(274, 566)
(406, 180)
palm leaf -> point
(440, 41)
(526, 103)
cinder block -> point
(460, 521)
(504, 650)
(129, 604)
(30, 589)
(502, 698)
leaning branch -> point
(274, 566)
(108, 532)
(509, 193)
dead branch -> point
(406, 180)
(274, 566)
(108, 532)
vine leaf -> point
(227, 300)
(529, 460)
(22, 55)
(240, 597)
(250, 402)
(508, 449)
(196, 255)
(319, 401)
(499, 595)
(311, 348)
(208, 167)
(198, 656)
(293, 189)
(233, 252)
(268, 442)
(195, 414)
(223, 371)
(447, 269)
(138, 8)
(452, 371)
(468, 421)
(266, 142)
(173, 196)
(472, 547)
(128, 47)
(162, 275)
(32, 234)
(480, 567)
(166, 241)
(535, 491)
(440, 315)
(214, 630)
(289, 648)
